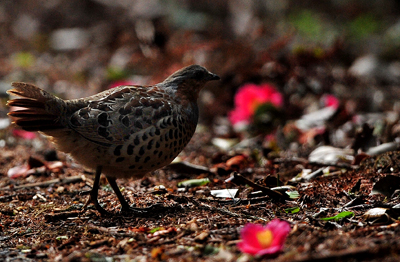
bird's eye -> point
(198, 75)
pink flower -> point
(249, 98)
(24, 134)
(331, 101)
(258, 240)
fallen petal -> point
(18, 171)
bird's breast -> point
(153, 147)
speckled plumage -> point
(124, 132)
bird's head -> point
(190, 80)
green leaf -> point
(155, 230)
(194, 182)
(61, 238)
(210, 250)
(293, 194)
(292, 210)
(339, 216)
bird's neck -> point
(183, 93)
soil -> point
(43, 215)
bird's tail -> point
(36, 110)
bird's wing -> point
(113, 117)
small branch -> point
(112, 231)
(271, 193)
(66, 180)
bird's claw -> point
(97, 206)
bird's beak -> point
(212, 76)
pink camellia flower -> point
(249, 98)
(258, 240)
(330, 101)
(24, 134)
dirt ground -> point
(43, 218)
(331, 145)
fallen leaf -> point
(340, 216)
(331, 155)
(227, 193)
(194, 182)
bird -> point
(124, 132)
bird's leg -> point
(95, 192)
(125, 207)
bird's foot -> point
(97, 205)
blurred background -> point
(307, 51)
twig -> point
(112, 231)
(306, 162)
(174, 239)
(61, 216)
(66, 180)
(271, 193)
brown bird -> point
(123, 132)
